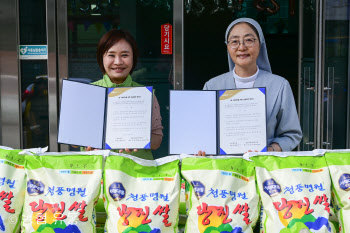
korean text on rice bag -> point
(61, 191)
(295, 191)
(12, 186)
(141, 195)
(339, 168)
(222, 194)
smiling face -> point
(118, 61)
(244, 57)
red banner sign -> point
(167, 38)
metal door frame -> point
(62, 54)
(52, 73)
(300, 55)
(178, 19)
(319, 73)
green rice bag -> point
(295, 190)
(222, 194)
(12, 186)
(141, 195)
(339, 168)
(62, 189)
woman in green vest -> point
(117, 57)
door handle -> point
(328, 105)
(307, 95)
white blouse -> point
(247, 82)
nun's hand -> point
(89, 148)
(274, 147)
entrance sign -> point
(33, 52)
(167, 39)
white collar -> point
(247, 79)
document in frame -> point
(242, 115)
(129, 117)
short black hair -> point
(111, 38)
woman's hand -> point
(200, 153)
(89, 148)
(155, 144)
(128, 150)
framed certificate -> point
(218, 122)
(105, 118)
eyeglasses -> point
(249, 42)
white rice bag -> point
(295, 190)
(61, 192)
(141, 195)
(222, 196)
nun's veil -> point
(262, 60)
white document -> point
(82, 114)
(192, 122)
(129, 117)
(242, 121)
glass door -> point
(88, 20)
(34, 74)
(336, 76)
(307, 32)
(324, 74)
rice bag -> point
(339, 168)
(141, 195)
(61, 191)
(12, 188)
(295, 190)
(222, 196)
